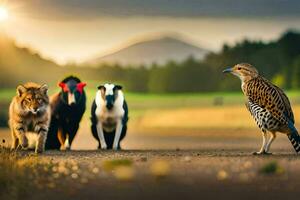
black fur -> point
(109, 136)
(65, 117)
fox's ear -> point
(44, 88)
(20, 90)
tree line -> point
(279, 61)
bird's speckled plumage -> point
(268, 105)
(269, 97)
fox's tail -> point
(294, 137)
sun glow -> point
(3, 14)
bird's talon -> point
(267, 153)
(256, 153)
(263, 153)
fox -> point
(29, 117)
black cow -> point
(67, 108)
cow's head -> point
(108, 94)
(71, 90)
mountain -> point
(19, 65)
(157, 49)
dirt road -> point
(181, 174)
(169, 166)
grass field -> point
(161, 101)
(141, 103)
(207, 114)
(207, 110)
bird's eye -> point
(239, 68)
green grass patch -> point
(139, 103)
(4, 114)
(271, 168)
(109, 165)
(7, 94)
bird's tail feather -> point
(295, 140)
(294, 137)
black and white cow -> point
(109, 116)
(67, 109)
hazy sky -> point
(75, 30)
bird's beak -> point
(228, 70)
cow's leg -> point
(117, 135)
(101, 136)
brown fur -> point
(29, 112)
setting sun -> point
(3, 14)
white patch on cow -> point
(98, 100)
(99, 103)
(117, 135)
(118, 106)
(101, 136)
(109, 89)
(118, 110)
(71, 98)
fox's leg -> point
(42, 129)
(40, 145)
(268, 145)
(14, 140)
(19, 130)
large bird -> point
(268, 105)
